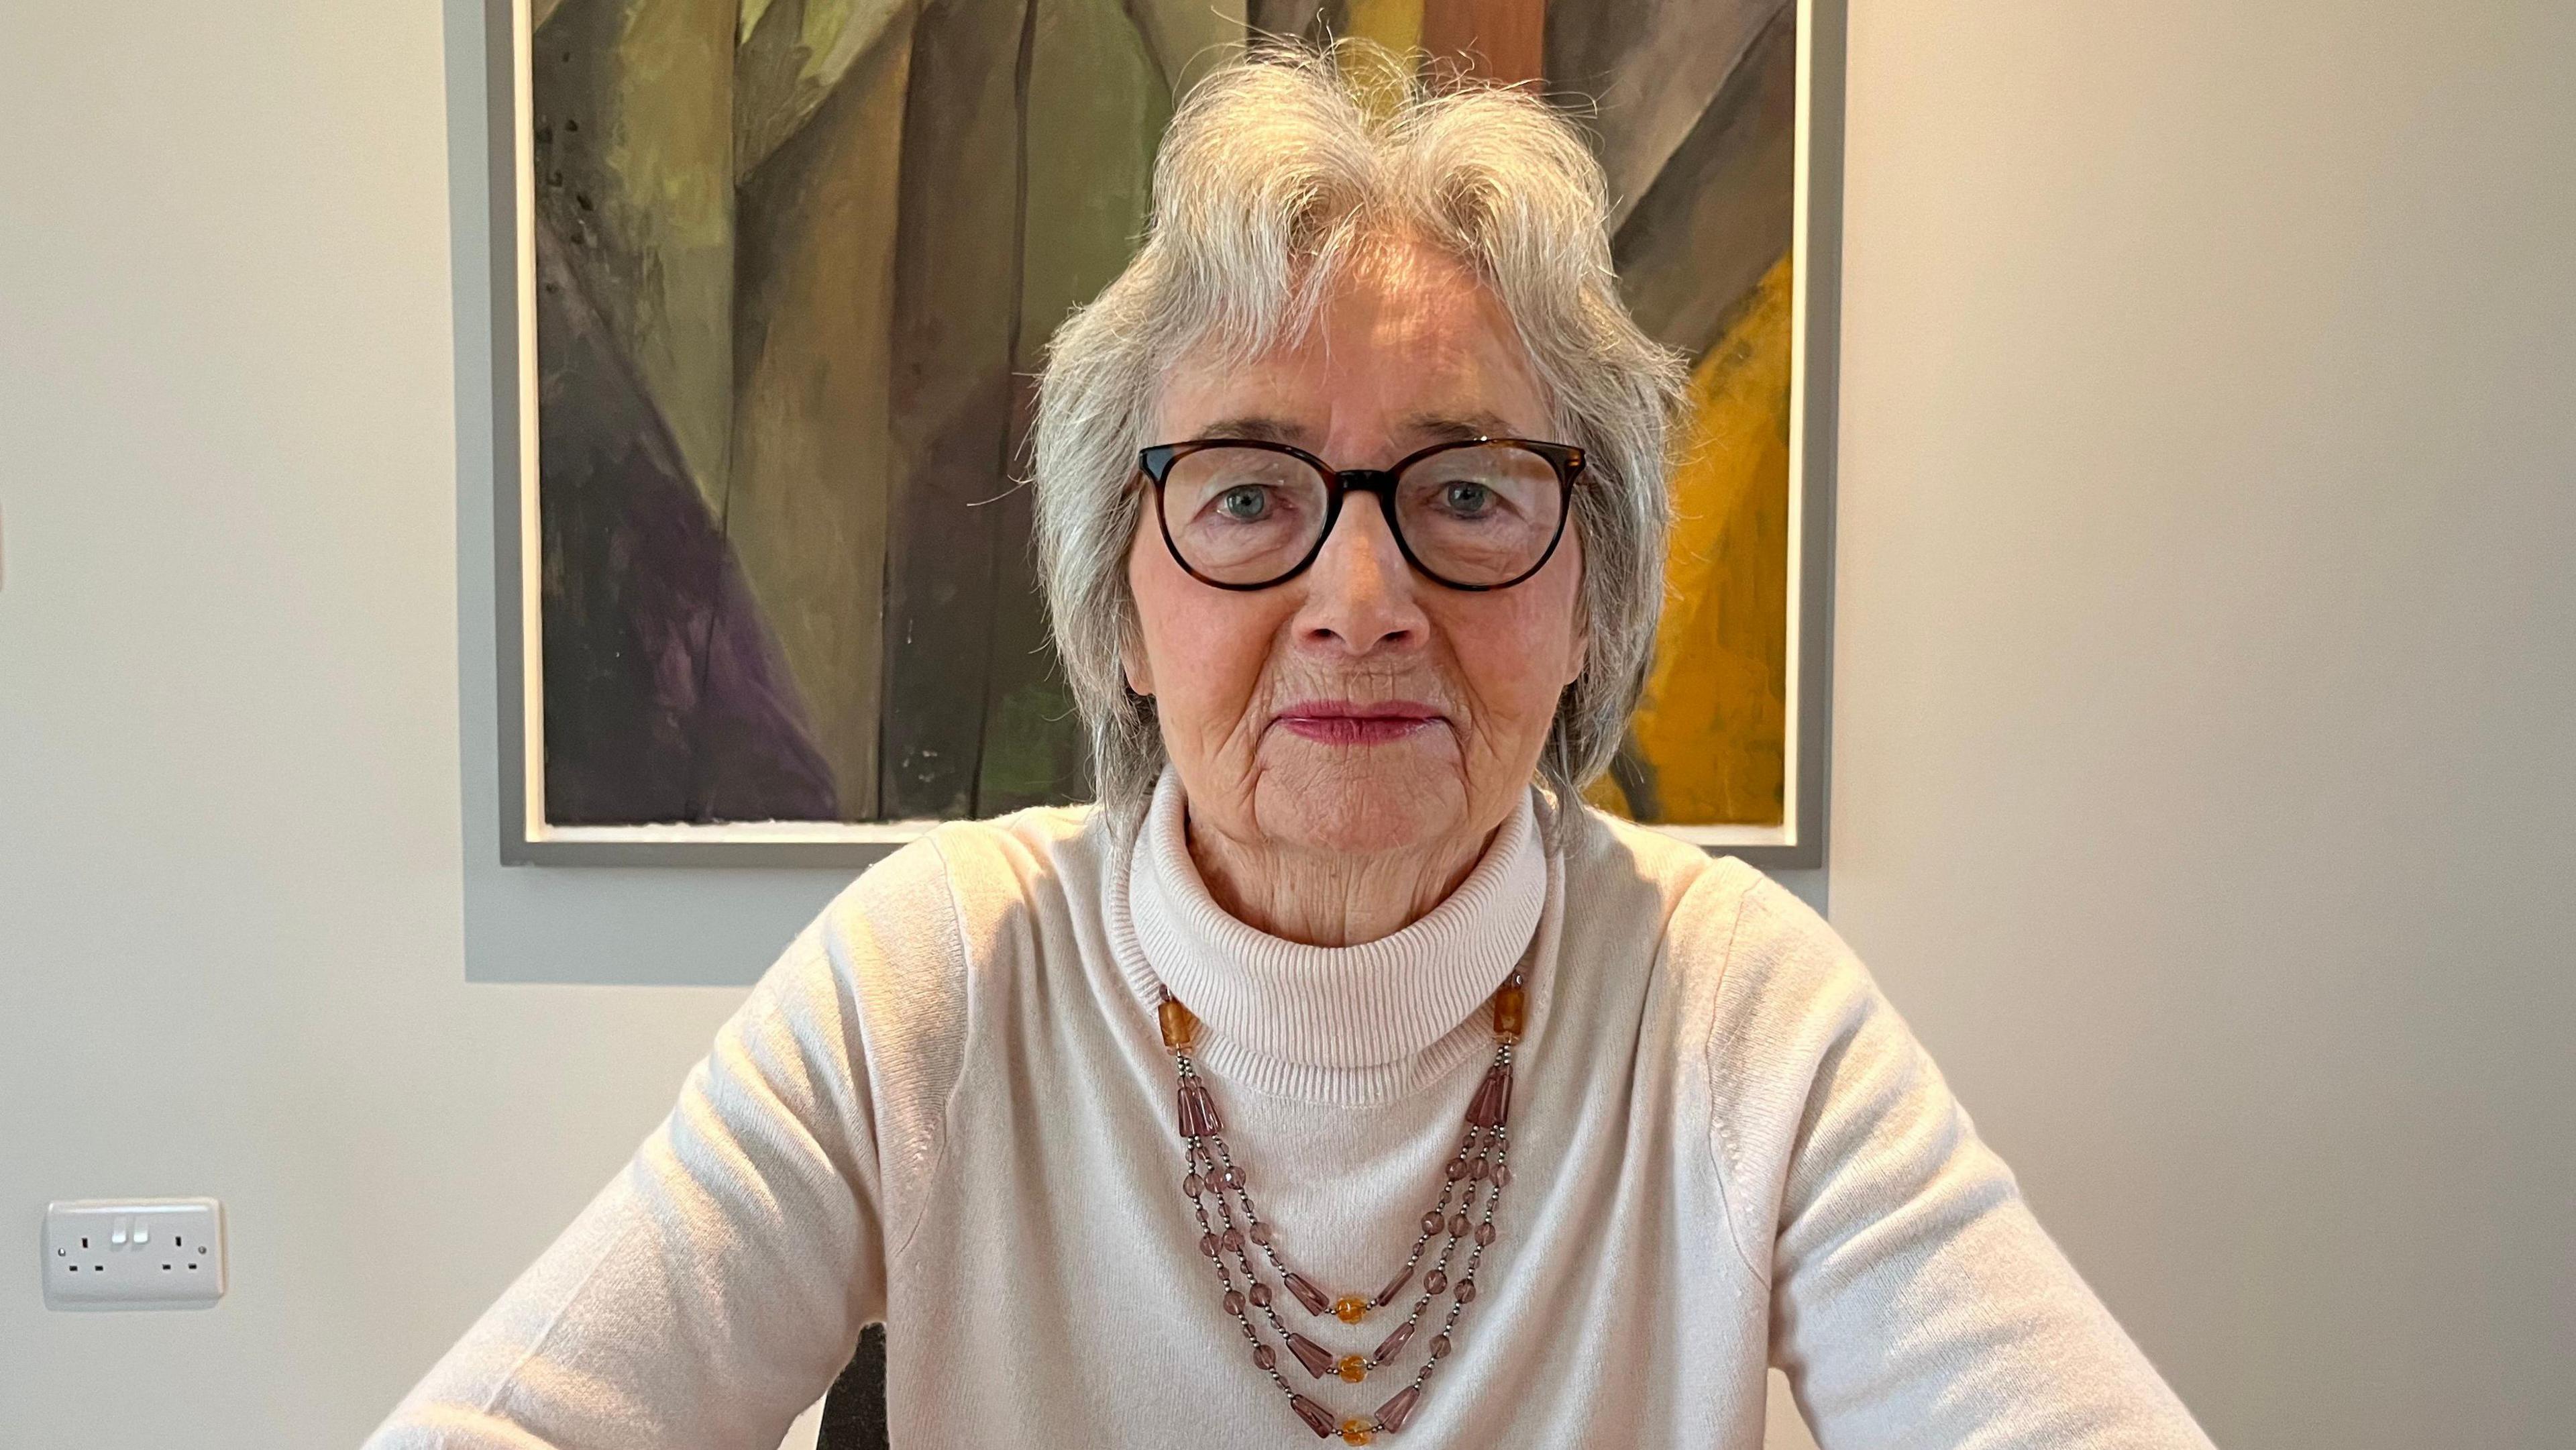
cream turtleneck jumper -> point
(948, 1108)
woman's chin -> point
(1361, 800)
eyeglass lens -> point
(1484, 514)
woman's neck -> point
(1327, 898)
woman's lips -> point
(1338, 722)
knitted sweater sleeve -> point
(1915, 1301)
(716, 1286)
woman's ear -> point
(1140, 672)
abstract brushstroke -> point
(634, 140)
(814, 306)
(1651, 67)
(1496, 40)
(957, 286)
(664, 699)
(1096, 103)
(794, 55)
(1707, 741)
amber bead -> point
(1350, 1309)
(1507, 1012)
(1351, 1367)
(1178, 1025)
(1356, 1432)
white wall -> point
(2204, 669)
(2207, 662)
(228, 735)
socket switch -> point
(134, 1253)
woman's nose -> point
(1360, 591)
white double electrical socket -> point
(134, 1253)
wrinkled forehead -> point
(1402, 343)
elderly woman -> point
(1340, 1073)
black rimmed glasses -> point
(1480, 513)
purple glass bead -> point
(1208, 1245)
(1260, 1295)
(1198, 1111)
(1232, 1177)
(1502, 1175)
(1457, 1170)
(1395, 1286)
(1307, 1294)
(1485, 1235)
(1264, 1356)
(1492, 1106)
(1458, 1225)
(1316, 1358)
(1233, 1301)
(1396, 1411)
(1478, 1171)
(1394, 1343)
(1232, 1240)
(1431, 1222)
(1434, 1282)
(1317, 1418)
(1192, 1186)
(1260, 1233)
(1440, 1347)
(1466, 1291)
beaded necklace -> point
(1210, 1173)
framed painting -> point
(772, 278)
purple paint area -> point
(666, 699)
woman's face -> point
(1359, 707)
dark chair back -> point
(854, 1413)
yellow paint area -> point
(1395, 24)
(1708, 731)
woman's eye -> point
(1245, 503)
(1467, 499)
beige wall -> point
(2207, 662)
(2203, 683)
(228, 735)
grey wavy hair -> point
(1277, 171)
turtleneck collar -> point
(1275, 1006)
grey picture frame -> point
(523, 839)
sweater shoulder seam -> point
(1724, 1154)
(943, 1129)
